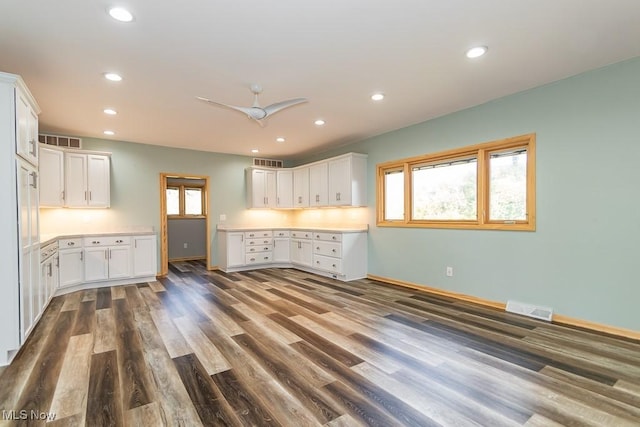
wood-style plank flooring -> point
(287, 348)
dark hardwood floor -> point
(287, 348)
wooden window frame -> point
(482, 152)
(181, 188)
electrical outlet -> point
(186, 245)
(223, 217)
(449, 271)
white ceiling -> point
(336, 53)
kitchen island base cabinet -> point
(340, 255)
(106, 260)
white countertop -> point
(49, 238)
(358, 228)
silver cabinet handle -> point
(299, 199)
(34, 147)
(119, 241)
(34, 175)
(333, 237)
(334, 251)
(81, 256)
(71, 243)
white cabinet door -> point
(119, 262)
(348, 180)
(98, 185)
(26, 295)
(144, 256)
(340, 182)
(71, 267)
(26, 129)
(235, 249)
(301, 187)
(51, 177)
(284, 188)
(301, 252)
(318, 184)
(75, 179)
(96, 264)
(281, 249)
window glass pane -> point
(394, 195)
(193, 201)
(508, 186)
(446, 191)
(173, 201)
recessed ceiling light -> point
(280, 139)
(476, 52)
(113, 77)
(109, 132)
(110, 111)
(254, 151)
(319, 122)
(377, 96)
(120, 14)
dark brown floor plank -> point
(248, 408)
(212, 410)
(85, 318)
(104, 407)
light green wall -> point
(135, 181)
(582, 258)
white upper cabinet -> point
(26, 127)
(348, 180)
(284, 188)
(318, 184)
(261, 188)
(87, 180)
(301, 187)
(51, 165)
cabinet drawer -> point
(259, 258)
(331, 249)
(328, 237)
(257, 248)
(281, 233)
(302, 234)
(259, 242)
(257, 234)
(70, 243)
(106, 241)
(332, 265)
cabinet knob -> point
(333, 237)
(334, 266)
(317, 262)
(71, 243)
(318, 247)
(252, 259)
(333, 250)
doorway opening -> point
(184, 219)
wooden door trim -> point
(164, 248)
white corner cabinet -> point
(74, 178)
(106, 260)
(339, 254)
(337, 181)
(23, 298)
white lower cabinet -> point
(145, 258)
(71, 256)
(341, 255)
(107, 258)
(281, 249)
(111, 260)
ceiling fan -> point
(256, 112)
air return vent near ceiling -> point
(539, 312)
(60, 141)
(267, 163)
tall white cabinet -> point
(20, 303)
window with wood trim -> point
(484, 186)
(185, 202)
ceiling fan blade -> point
(274, 108)
(245, 110)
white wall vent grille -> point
(60, 141)
(267, 163)
(536, 311)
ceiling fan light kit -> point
(256, 112)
